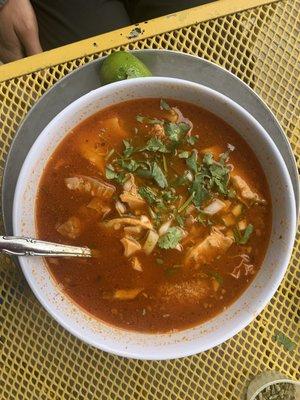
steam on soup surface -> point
(174, 200)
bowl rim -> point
(266, 295)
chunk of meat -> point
(192, 291)
(158, 131)
(131, 246)
(113, 126)
(95, 156)
(214, 207)
(245, 192)
(143, 221)
(101, 208)
(94, 187)
(130, 194)
(134, 201)
(71, 228)
(127, 294)
(130, 185)
(205, 251)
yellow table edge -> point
(120, 37)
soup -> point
(175, 205)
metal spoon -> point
(25, 246)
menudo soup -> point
(176, 204)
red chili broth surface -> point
(171, 292)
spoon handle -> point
(25, 246)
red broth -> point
(176, 204)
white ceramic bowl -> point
(226, 324)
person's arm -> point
(19, 35)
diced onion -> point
(150, 242)
(214, 207)
(164, 227)
(179, 247)
(120, 207)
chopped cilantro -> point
(168, 195)
(155, 144)
(171, 238)
(191, 161)
(164, 105)
(165, 163)
(130, 165)
(180, 220)
(183, 180)
(192, 140)
(231, 193)
(281, 338)
(159, 176)
(111, 174)
(201, 219)
(140, 118)
(186, 203)
(159, 261)
(242, 238)
(144, 172)
(184, 154)
(129, 149)
(220, 176)
(208, 159)
(175, 132)
(147, 193)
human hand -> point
(19, 35)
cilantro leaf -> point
(111, 174)
(155, 144)
(180, 220)
(186, 203)
(128, 148)
(144, 172)
(218, 174)
(130, 165)
(191, 161)
(147, 193)
(164, 105)
(175, 132)
(171, 238)
(192, 140)
(208, 159)
(184, 154)
(159, 176)
(201, 193)
(168, 195)
(243, 238)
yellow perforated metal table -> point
(39, 359)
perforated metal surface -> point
(40, 360)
